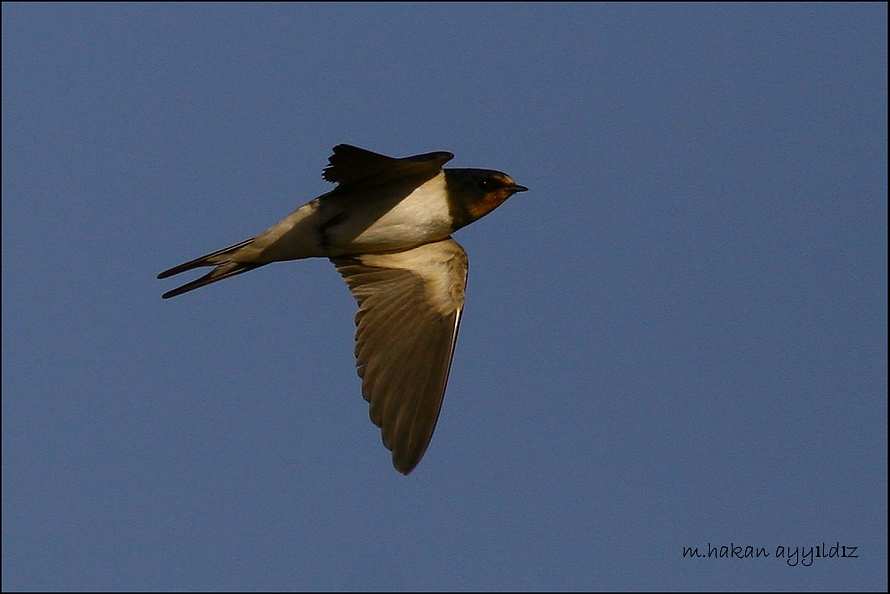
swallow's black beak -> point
(518, 188)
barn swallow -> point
(387, 229)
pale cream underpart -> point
(373, 224)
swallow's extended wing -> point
(351, 165)
(410, 305)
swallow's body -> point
(384, 219)
(386, 227)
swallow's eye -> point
(487, 185)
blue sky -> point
(676, 338)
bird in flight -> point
(387, 229)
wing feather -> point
(351, 166)
(406, 328)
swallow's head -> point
(473, 193)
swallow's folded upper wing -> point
(409, 310)
(350, 166)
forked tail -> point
(225, 268)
